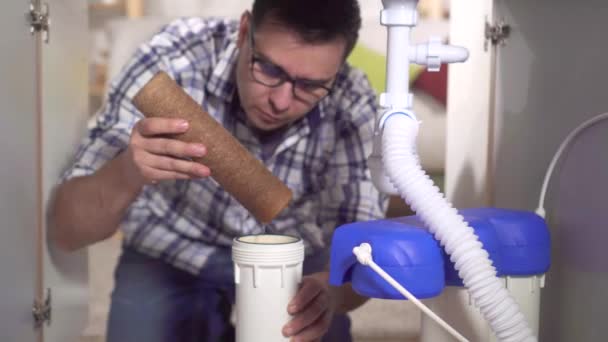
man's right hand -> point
(90, 208)
(152, 156)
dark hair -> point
(314, 20)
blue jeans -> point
(153, 301)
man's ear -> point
(243, 29)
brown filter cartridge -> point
(238, 172)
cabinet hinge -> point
(496, 34)
(39, 19)
(41, 310)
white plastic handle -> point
(364, 256)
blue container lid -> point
(522, 237)
(517, 241)
(408, 253)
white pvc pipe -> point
(455, 235)
(398, 72)
(399, 16)
(433, 53)
(267, 273)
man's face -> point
(280, 77)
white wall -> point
(178, 8)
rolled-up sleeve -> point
(109, 130)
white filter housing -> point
(267, 274)
(455, 305)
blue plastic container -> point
(518, 243)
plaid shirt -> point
(321, 158)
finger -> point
(308, 316)
(153, 176)
(173, 147)
(178, 166)
(315, 331)
(158, 126)
(308, 291)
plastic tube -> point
(397, 72)
(540, 210)
(364, 256)
(455, 235)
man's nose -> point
(281, 97)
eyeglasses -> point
(271, 75)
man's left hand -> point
(312, 309)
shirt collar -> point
(222, 81)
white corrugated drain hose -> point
(449, 228)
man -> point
(278, 81)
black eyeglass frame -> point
(284, 76)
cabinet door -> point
(19, 176)
(64, 113)
(574, 305)
(551, 78)
(469, 114)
